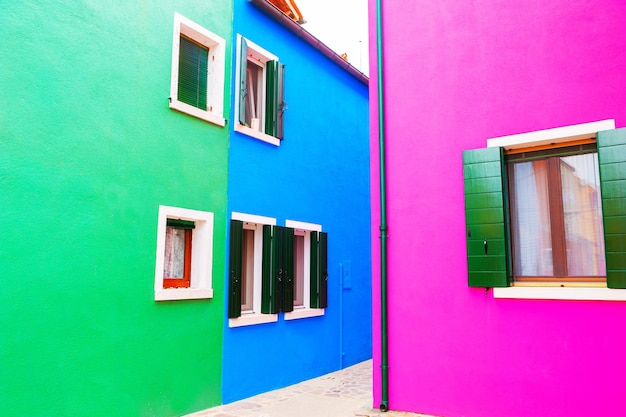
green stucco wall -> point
(88, 150)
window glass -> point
(556, 218)
(582, 211)
(174, 262)
(254, 104)
(247, 271)
(298, 284)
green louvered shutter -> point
(270, 301)
(319, 270)
(283, 261)
(486, 218)
(243, 80)
(234, 269)
(612, 164)
(271, 97)
(280, 102)
(192, 74)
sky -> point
(341, 25)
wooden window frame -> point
(185, 281)
(555, 205)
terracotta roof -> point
(290, 8)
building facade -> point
(505, 174)
(107, 163)
(299, 257)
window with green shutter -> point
(548, 214)
(261, 102)
(192, 73)
(263, 267)
(198, 71)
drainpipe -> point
(384, 405)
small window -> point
(184, 254)
(548, 206)
(556, 215)
(177, 258)
(310, 270)
(250, 289)
(260, 93)
(275, 269)
(198, 65)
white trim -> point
(560, 293)
(201, 255)
(302, 313)
(250, 319)
(552, 136)
(312, 227)
(253, 218)
(256, 134)
(255, 52)
(215, 70)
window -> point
(310, 270)
(198, 62)
(184, 254)
(275, 269)
(556, 214)
(559, 217)
(177, 260)
(260, 93)
(250, 288)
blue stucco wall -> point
(319, 174)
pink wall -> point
(457, 73)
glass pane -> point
(254, 107)
(174, 263)
(298, 283)
(247, 271)
(582, 211)
(532, 238)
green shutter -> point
(269, 286)
(243, 80)
(192, 73)
(319, 270)
(282, 265)
(271, 97)
(234, 269)
(486, 216)
(280, 103)
(612, 164)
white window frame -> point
(305, 311)
(215, 71)
(261, 57)
(591, 291)
(201, 255)
(255, 316)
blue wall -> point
(319, 174)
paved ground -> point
(345, 393)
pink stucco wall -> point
(457, 73)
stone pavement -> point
(345, 393)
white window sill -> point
(560, 293)
(249, 319)
(183, 294)
(207, 116)
(256, 134)
(302, 313)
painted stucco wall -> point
(319, 174)
(89, 149)
(457, 73)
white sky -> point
(341, 25)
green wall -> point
(88, 150)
